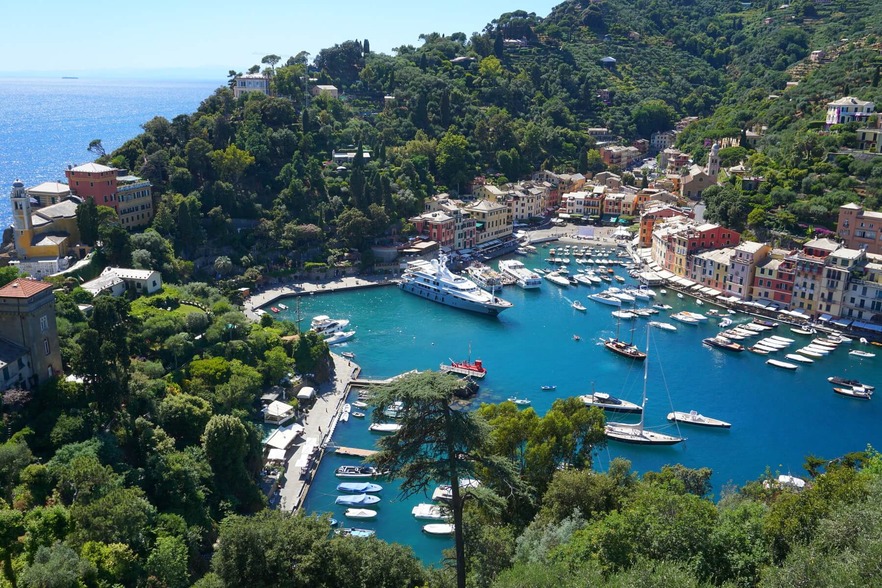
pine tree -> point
(498, 46)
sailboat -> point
(628, 350)
(635, 433)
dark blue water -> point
(47, 124)
(778, 417)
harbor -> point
(777, 416)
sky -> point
(60, 37)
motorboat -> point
(465, 368)
(765, 323)
(802, 331)
(799, 358)
(662, 306)
(772, 344)
(356, 471)
(348, 355)
(663, 292)
(519, 402)
(860, 353)
(357, 414)
(782, 364)
(353, 532)
(782, 339)
(662, 325)
(282, 306)
(359, 487)
(584, 280)
(557, 279)
(430, 512)
(360, 404)
(439, 529)
(684, 318)
(485, 277)
(624, 314)
(275, 309)
(621, 295)
(578, 306)
(854, 392)
(839, 381)
(810, 353)
(444, 492)
(323, 324)
(357, 499)
(759, 350)
(635, 433)
(732, 335)
(693, 418)
(725, 322)
(360, 513)
(723, 343)
(696, 315)
(434, 281)
(338, 337)
(610, 403)
(551, 387)
(384, 427)
(604, 298)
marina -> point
(389, 344)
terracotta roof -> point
(24, 288)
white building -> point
(116, 280)
(256, 82)
(848, 109)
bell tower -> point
(713, 161)
(21, 216)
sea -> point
(47, 124)
(778, 417)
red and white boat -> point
(465, 368)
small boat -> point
(282, 307)
(579, 306)
(624, 314)
(444, 492)
(577, 338)
(723, 343)
(758, 350)
(818, 349)
(809, 352)
(663, 291)
(684, 318)
(548, 387)
(699, 302)
(519, 402)
(693, 418)
(782, 339)
(619, 279)
(357, 499)
(765, 323)
(356, 471)
(802, 331)
(605, 298)
(766, 348)
(358, 415)
(359, 487)
(360, 513)
(384, 428)
(348, 355)
(799, 358)
(782, 364)
(662, 306)
(352, 532)
(339, 337)
(274, 309)
(611, 403)
(439, 529)
(725, 322)
(854, 392)
(360, 404)
(429, 512)
(839, 381)
(465, 368)
(859, 353)
(696, 315)
(679, 295)
(663, 326)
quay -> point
(318, 428)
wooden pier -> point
(354, 452)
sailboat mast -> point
(645, 378)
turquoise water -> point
(778, 417)
(46, 124)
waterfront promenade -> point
(309, 288)
(318, 427)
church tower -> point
(713, 161)
(21, 216)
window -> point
(46, 346)
(44, 323)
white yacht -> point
(325, 325)
(433, 281)
(525, 278)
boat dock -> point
(354, 452)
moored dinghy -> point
(439, 529)
(357, 499)
(782, 364)
(359, 487)
(360, 513)
(854, 392)
(799, 358)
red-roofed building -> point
(29, 351)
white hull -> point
(449, 299)
(693, 418)
(638, 436)
(524, 277)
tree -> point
(651, 116)
(271, 60)
(58, 566)
(454, 159)
(11, 528)
(223, 265)
(96, 147)
(436, 442)
(228, 446)
(167, 562)
(87, 221)
(184, 416)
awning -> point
(563, 215)
(698, 287)
(841, 322)
(866, 326)
(712, 292)
(283, 437)
(825, 317)
(306, 393)
(276, 455)
(665, 274)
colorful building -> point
(773, 279)
(492, 220)
(848, 109)
(130, 196)
(859, 228)
(742, 269)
